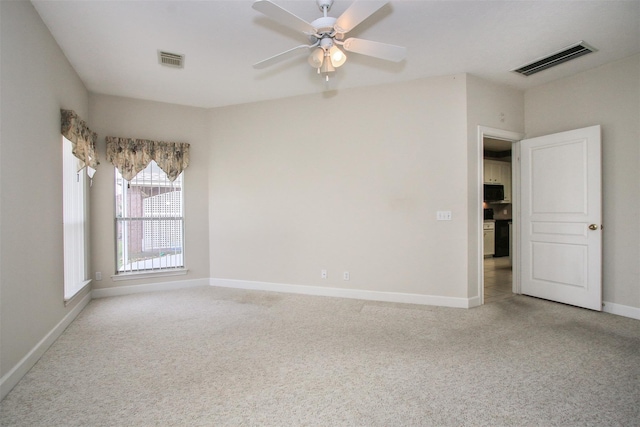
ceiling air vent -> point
(170, 59)
(568, 53)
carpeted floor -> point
(224, 357)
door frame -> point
(514, 138)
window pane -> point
(149, 221)
(74, 223)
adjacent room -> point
(319, 213)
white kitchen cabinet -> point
(489, 238)
(496, 172)
(491, 172)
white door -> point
(561, 232)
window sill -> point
(78, 292)
(149, 274)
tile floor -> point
(497, 279)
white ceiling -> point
(113, 44)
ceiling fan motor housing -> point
(324, 25)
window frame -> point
(76, 237)
(160, 271)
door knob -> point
(593, 227)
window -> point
(149, 222)
(74, 193)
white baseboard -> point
(621, 310)
(150, 287)
(474, 302)
(344, 293)
(11, 378)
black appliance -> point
(502, 237)
(493, 192)
(488, 213)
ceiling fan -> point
(327, 34)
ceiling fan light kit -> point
(327, 33)
(327, 57)
(337, 56)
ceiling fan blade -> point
(282, 56)
(356, 13)
(385, 51)
(283, 16)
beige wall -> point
(130, 118)
(36, 81)
(493, 106)
(345, 182)
(608, 96)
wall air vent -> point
(170, 59)
(568, 53)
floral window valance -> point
(131, 156)
(83, 140)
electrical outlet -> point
(323, 274)
(98, 276)
(345, 275)
(443, 216)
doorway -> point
(498, 168)
(497, 220)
